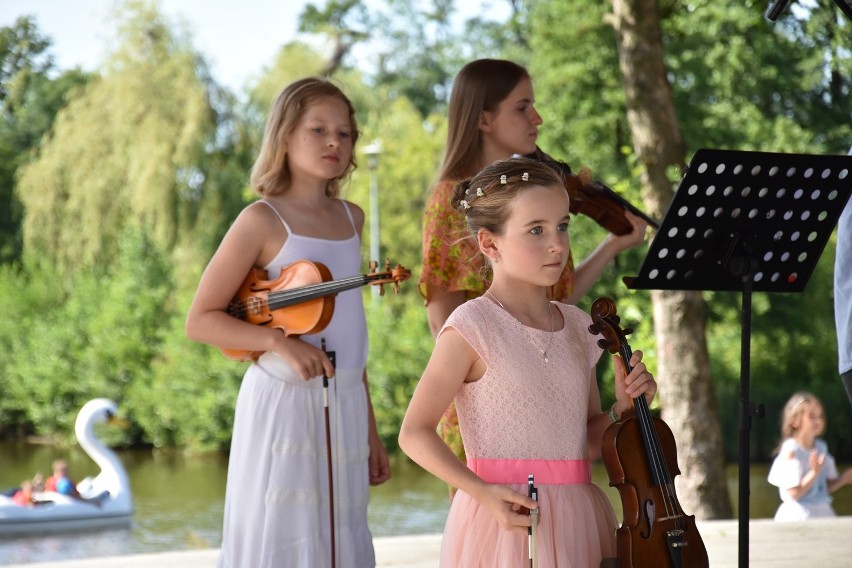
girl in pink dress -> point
(492, 115)
(522, 371)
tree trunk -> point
(685, 388)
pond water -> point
(179, 502)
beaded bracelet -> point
(613, 415)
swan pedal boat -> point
(106, 498)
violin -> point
(300, 300)
(641, 460)
(595, 199)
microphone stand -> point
(845, 8)
(778, 6)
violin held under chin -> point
(595, 199)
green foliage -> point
(400, 347)
(761, 88)
(115, 151)
(793, 348)
(578, 86)
(738, 93)
(294, 61)
(188, 399)
(92, 341)
(129, 194)
(25, 299)
(404, 173)
(29, 100)
(415, 48)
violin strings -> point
(659, 464)
(281, 298)
(657, 461)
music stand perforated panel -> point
(778, 210)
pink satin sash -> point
(547, 472)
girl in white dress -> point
(277, 498)
(803, 470)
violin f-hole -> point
(650, 517)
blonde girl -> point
(277, 497)
(804, 471)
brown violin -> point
(300, 300)
(595, 199)
(641, 460)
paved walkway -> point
(818, 543)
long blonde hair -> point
(480, 86)
(270, 174)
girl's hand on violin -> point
(510, 508)
(635, 237)
(629, 386)
(308, 361)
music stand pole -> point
(745, 222)
(744, 491)
(746, 412)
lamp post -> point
(372, 152)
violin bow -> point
(331, 356)
(532, 532)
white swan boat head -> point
(106, 499)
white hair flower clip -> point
(465, 204)
(503, 179)
(479, 192)
(526, 176)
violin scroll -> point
(390, 275)
(595, 199)
(605, 321)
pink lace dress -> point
(527, 416)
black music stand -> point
(747, 221)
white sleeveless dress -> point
(277, 497)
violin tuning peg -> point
(374, 265)
(627, 330)
(381, 289)
(594, 329)
(387, 265)
(396, 287)
(602, 343)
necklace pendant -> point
(546, 360)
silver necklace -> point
(549, 340)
